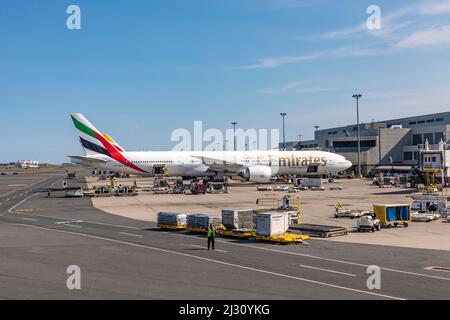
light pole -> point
(299, 141)
(357, 97)
(234, 135)
(283, 114)
(316, 137)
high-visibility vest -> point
(211, 232)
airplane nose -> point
(348, 164)
(344, 164)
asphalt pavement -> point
(121, 258)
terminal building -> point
(401, 143)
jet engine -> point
(257, 174)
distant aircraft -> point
(102, 152)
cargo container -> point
(202, 221)
(308, 182)
(172, 219)
(272, 223)
(393, 214)
(430, 203)
(238, 219)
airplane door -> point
(158, 169)
(313, 168)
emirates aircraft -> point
(102, 152)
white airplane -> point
(102, 152)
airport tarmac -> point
(123, 258)
(17, 179)
(317, 207)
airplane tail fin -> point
(113, 142)
(91, 139)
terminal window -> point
(417, 139)
(429, 137)
(407, 156)
(354, 144)
(438, 136)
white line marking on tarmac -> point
(131, 234)
(328, 270)
(433, 268)
(33, 195)
(219, 262)
(113, 225)
(29, 219)
(99, 223)
(69, 222)
(193, 245)
(320, 258)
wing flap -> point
(83, 159)
(220, 164)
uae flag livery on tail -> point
(95, 142)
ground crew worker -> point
(338, 207)
(49, 192)
(211, 236)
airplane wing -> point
(83, 159)
(220, 165)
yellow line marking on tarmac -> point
(28, 198)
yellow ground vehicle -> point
(171, 227)
(286, 203)
(287, 238)
(247, 234)
(393, 214)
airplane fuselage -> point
(203, 163)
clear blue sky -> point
(140, 69)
